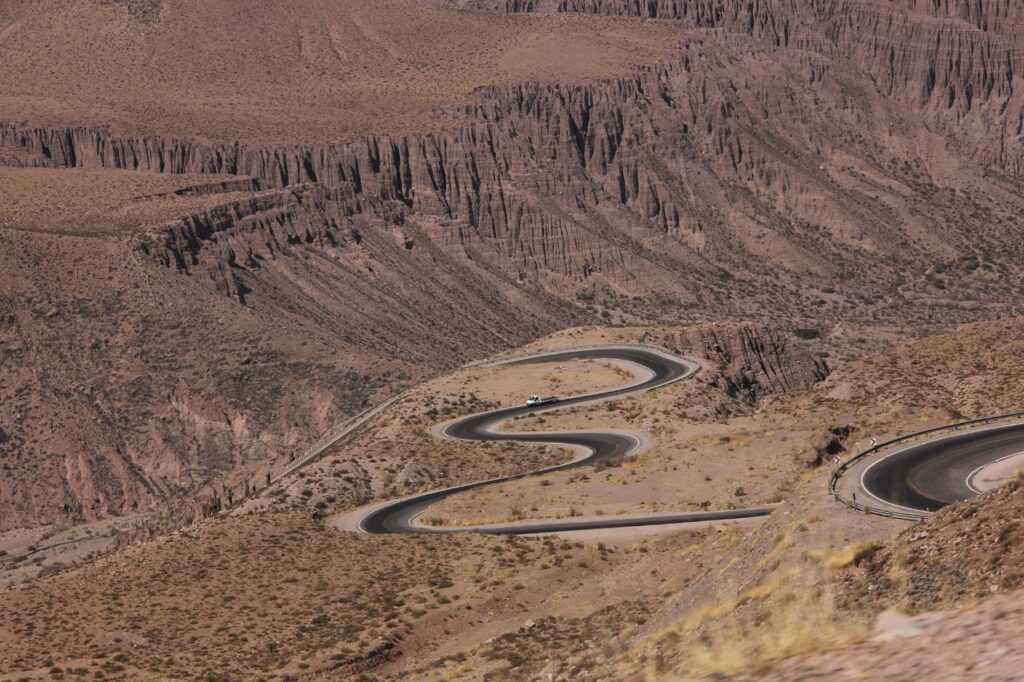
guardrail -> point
(909, 516)
(353, 423)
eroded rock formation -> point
(794, 163)
(754, 360)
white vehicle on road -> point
(535, 400)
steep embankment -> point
(965, 558)
(963, 553)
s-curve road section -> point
(944, 469)
(659, 369)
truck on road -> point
(536, 400)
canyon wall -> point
(139, 372)
(754, 360)
(830, 165)
(957, 60)
(654, 182)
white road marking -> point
(864, 488)
(970, 476)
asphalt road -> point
(398, 516)
(933, 474)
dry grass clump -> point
(792, 612)
(854, 555)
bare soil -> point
(102, 202)
(297, 71)
(266, 592)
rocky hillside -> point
(139, 368)
(846, 167)
(754, 360)
(964, 553)
(692, 186)
(955, 60)
(957, 574)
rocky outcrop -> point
(956, 60)
(660, 181)
(826, 446)
(754, 360)
(241, 234)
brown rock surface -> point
(350, 218)
(290, 71)
(755, 360)
(139, 367)
(692, 184)
(734, 178)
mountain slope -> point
(140, 367)
(850, 168)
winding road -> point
(399, 516)
(928, 476)
(909, 482)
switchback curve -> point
(399, 516)
(920, 478)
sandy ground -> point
(296, 71)
(85, 202)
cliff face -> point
(138, 371)
(750, 157)
(754, 360)
(795, 163)
(956, 60)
